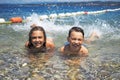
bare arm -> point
(50, 47)
(26, 44)
(92, 37)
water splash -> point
(62, 25)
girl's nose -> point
(37, 39)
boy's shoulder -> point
(64, 49)
(84, 50)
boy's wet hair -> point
(77, 29)
(36, 28)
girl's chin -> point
(37, 46)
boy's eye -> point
(73, 39)
(76, 39)
(79, 39)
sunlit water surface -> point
(103, 62)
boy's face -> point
(75, 39)
(37, 38)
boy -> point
(75, 45)
(75, 39)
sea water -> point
(103, 62)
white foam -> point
(2, 20)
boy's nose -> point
(76, 41)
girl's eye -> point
(39, 37)
(33, 37)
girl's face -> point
(75, 39)
(37, 38)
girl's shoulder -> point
(50, 44)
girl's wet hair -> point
(77, 29)
(36, 28)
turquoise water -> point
(103, 62)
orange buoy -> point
(16, 20)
